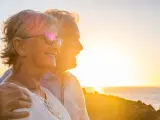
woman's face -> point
(39, 53)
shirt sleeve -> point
(78, 95)
(5, 75)
(22, 110)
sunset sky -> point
(121, 39)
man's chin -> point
(73, 66)
(66, 67)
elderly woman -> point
(31, 48)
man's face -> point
(71, 47)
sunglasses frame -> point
(55, 40)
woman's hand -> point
(12, 97)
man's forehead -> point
(69, 32)
(76, 31)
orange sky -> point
(121, 39)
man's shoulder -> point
(71, 79)
(68, 74)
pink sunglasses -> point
(50, 38)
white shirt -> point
(74, 100)
(49, 109)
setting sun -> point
(99, 90)
(113, 69)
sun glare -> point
(104, 68)
(99, 90)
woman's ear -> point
(18, 45)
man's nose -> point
(80, 46)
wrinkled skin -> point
(11, 98)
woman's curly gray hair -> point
(23, 24)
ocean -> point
(148, 95)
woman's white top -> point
(45, 109)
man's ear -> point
(18, 45)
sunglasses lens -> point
(50, 36)
(59, 41)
